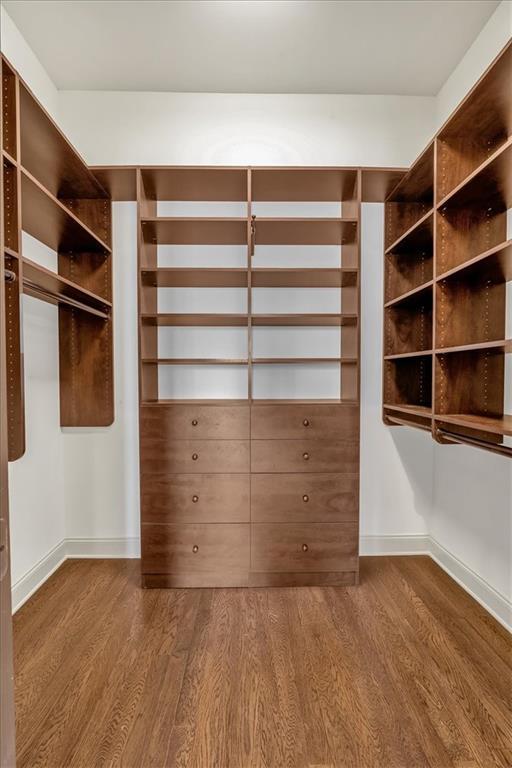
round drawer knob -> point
(306, 422)
(194, 422)
(305, 456)
(195, 499)
(304, 547)
(305, 498)
(195, 549)
(195, 457)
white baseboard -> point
(415, 544)
(83, 548)
(489, 598)
(35, 578)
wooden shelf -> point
(495, 262)
(417, 236)
(7, 157)
(494, 425)
(412, 410)
(490, 183)
(303, 184)
(190, 319)
(302, 360)
(196, 277)
(49, 157)
(411, 295)
(171, 230)
(10, 252)
(407, 355)
(192, 361)
(502, 345)
(200, 184)
(417, 184)
(303, 278)
(56, 289)
(48, 220)
(304, 319)
(378, 183)
(305, 231)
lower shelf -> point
(494, 425)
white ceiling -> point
(406, 47)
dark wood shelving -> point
(406, 355)
(50, 221)
(10, 252)
(10, 159)
(416, 236)
(196, 230)
(303, 184)
(195, 183)
(305, 319)
(310, 277)
(54, 288)
(494, 263)
(305, 231)
(500, 345)
(410, 296)
(417, 184)
(49, 157)
(378, 183)
(491, 182)
(192, 319)
(498, 425)
(196, 277)
(192, 361)
(414, 410)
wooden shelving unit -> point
(448, 257)
(51, 194)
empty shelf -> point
(304, 319)
(303, 277)
(170, 230)
(194, 319)
(196, 277)
(497, 425)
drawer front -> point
(181, 422)
(304, 456)
(295, 422)
(194, 456)
(195, 548)
(279, 547)
(195, 498)
(303, 498)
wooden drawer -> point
(213, 552)
(315, 421)
(194, 456)
(195, 498)
(305, 456)
(279, 547)
(303, 498)
(189, 421)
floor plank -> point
(404, 671)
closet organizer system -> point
(50, 193)
(448, 258)
(249, 301)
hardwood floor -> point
(404, 671)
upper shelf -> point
(305, 231)
(418, 183)
(48, 155)
(194, 231)
(48, 220)
(486, 110)
(489, 184)
(195, 183)
(303, 184)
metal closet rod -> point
(61, 299)
(453, 437)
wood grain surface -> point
(405, 671)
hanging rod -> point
(10, 276)
(408, 422)
(453, 437)
(55, 297)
